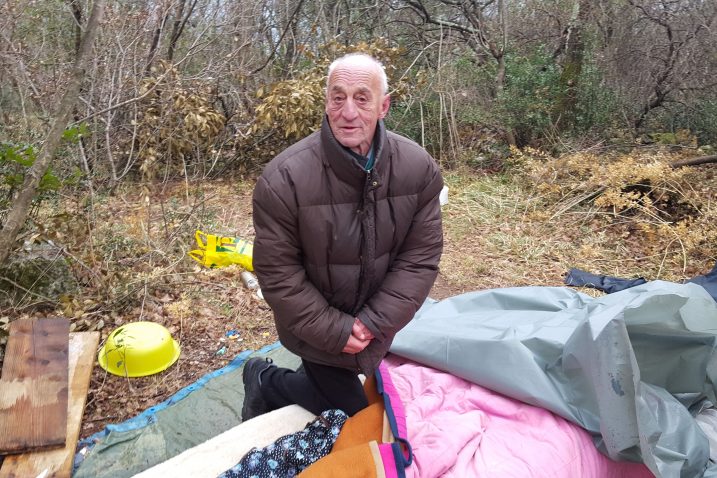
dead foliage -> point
(176, 121)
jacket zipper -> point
(362, 290)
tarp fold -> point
(626, 366)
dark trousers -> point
(317, 388)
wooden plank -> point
(58, 463)
(33, 388)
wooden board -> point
(58, 462)
(33, 389)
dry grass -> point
(529, 229)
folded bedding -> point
(460, 429)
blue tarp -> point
(193, 415)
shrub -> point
(639, 192)
(290, 109)
(698, 116)
(527, 101)
(15, 159)
(598, 108)
(177, 120)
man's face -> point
(354, 103)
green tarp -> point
(205, 412)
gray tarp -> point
(625, 366)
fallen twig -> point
(694, 161)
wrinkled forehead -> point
(355, 77)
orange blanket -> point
(372, 443)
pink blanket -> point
(459, 429)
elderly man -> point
(348, 240)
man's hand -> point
(359, 339)
(354, 345)
(360, 331)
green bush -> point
(528, 98)
(16, 158)
(698, 116)
(598, 107)
(14, 161)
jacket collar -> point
(344, 164)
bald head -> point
(363, 61)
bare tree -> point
(665, 54)
(160, 16)
(574, 47)
(77, 15)
(648, 54)
(483, 26)
(180, 22)
(21, 206)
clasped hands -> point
(359, 339)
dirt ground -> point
(205, 348)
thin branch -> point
(21, 205)
(276, 47)
(178, 29)
(694, 161)
(26, 290)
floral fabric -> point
(291, 454)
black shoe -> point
(254, 403)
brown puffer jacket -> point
(334, 242)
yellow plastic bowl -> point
(138, 349)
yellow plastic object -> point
(217, 251)
(138, 349)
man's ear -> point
(385, 105)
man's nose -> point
(349, 110)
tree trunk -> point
(500, 58)
(175, 30)
(179, 23)
(21, 205)
(162, 17)
(77, 13)
(656, 100)
(290, 52)
(499, 53)
(566, 106)
(500, 76)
